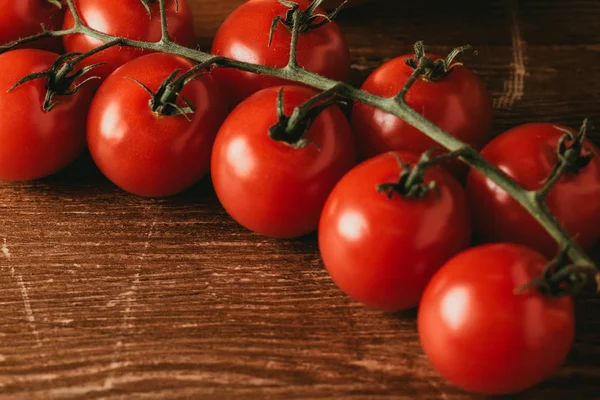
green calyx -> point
(292, 129)
(60, 77)
(164, 100)
(562, 278)
(411, 182)
(308, 19)
(434, 70)
(570, 150)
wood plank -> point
(106, 295)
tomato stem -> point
(396, 106)
(163, 23)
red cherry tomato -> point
(36, 143)
(383, 250)
(457, 103)
(483, 337)
(269, 186)
(129, 19)
(528, 154)
(244, 36)
(23, 18)
(146, 153)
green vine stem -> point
(533, 201)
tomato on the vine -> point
(142, 151)
(528, 154)
(35, 142)
(481, 335)
(129, 19)
(272, 186)
(23, 18)
(244, 36)
(451, 97)
(380, 246)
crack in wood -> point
(514, 86)
(18, 278)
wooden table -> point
(106, 295)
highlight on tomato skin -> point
(381, 248)
(274, 188)
(244, 36)
(482, 335)
(528, 153)
(143, 151)
(36, 143)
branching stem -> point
(396, 106)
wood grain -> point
(106, 295)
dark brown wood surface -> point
(106, 295)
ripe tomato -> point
(383, 250)
(244, 36)
(23, 18)
(146, 153)
(36, 143)
(129, 19)
(528, 154)
(269, 186)
(483, 337)
(457, 103)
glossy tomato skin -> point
(244, 36)
(482, 336)
(270, 187)
(129, 19)
(145, 153)
(382, 251)
(527, 154)
(458, 103)
(36, 143)
(23, 18)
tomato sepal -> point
(305, 21)
(61, 76)
(291, 130)
(411, 182)
(562, 278)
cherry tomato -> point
(528, 154)
(269, 186)
(129, 19)
(37, 143)
(483, 337)
(382, 250)
(23, 18)
(457, 103)
(146, 153)
(244, 36)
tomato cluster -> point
(394, 223)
